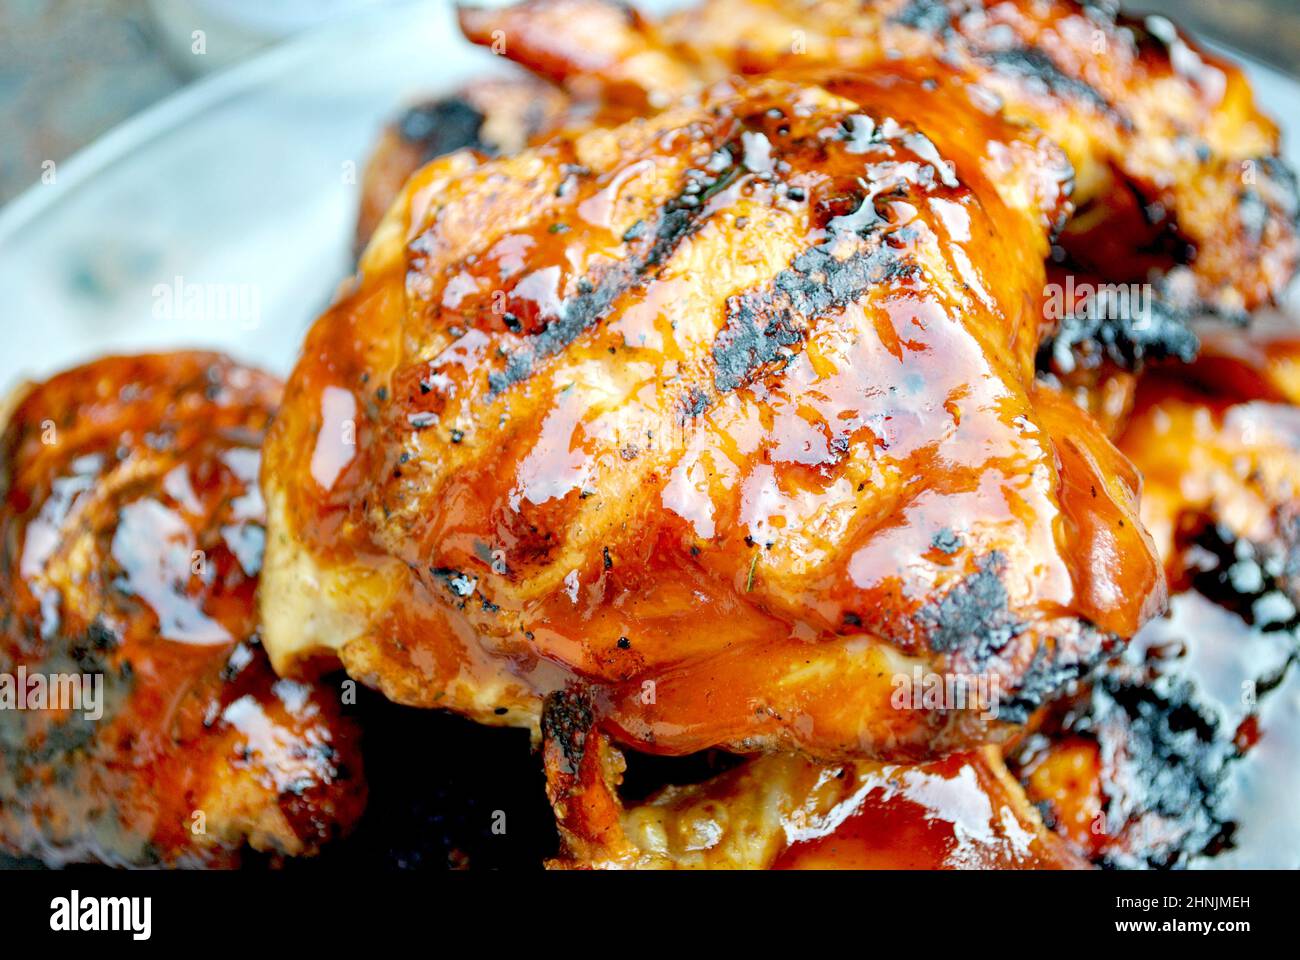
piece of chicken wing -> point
(131, 537)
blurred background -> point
(72, 69)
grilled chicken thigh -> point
(728, 413)
(1176, 172)
(131, 536)
(783, 811)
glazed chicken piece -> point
(1176, 171)
(131, 536)
(492, 116)
(1185, 746)
(782, 811)
(728, 413)
(1263, 366)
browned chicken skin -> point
(1177, 173)
(493, 116)
(131, 536)
(728, 412)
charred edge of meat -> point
(1112, 330)
(1173, 763)
(567, 718)
(1173, 753)
(441, 126)
(1046, 676)
(1249, 579)
(680, 217)
(974, 622)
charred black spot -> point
(1112, 330)
(441, 126)
(460, 584)
(100, 636)
(931, 16)
(973, 618)
(1274, 192)
(1042, 680)
(1254, 581)
(695, 403)
(567, 717)
(946, 541)
(1170, 765)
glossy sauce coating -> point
(736, 401)
(1177, 171)
(131, 538)
(497, 115)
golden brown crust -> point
(492, 116)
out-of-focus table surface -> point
(69, 71)
(72, 69)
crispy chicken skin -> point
(493, 116)
(131, 534)
(1143, 766)
(782, 811)
(1175, 167)
(728, 412)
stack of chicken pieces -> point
(864, 398)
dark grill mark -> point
(1110, 332)
(1032, 64)
(680, 217)
(762, 325)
